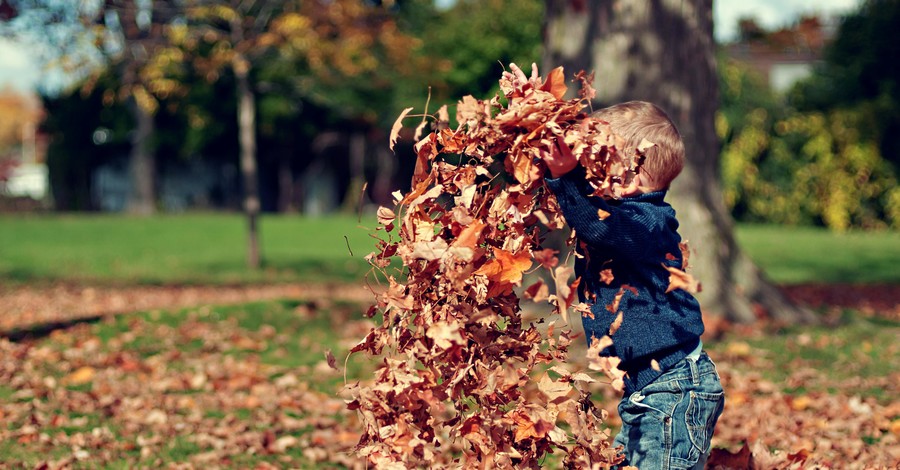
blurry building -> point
(785, 56)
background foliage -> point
(823, 154)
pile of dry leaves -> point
(457, 386)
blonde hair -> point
(635, 121)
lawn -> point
(210, 249)
(254, 386)
(810, 254)
(246, 386)
(250, 386)
(180, 249)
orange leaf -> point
(506, 267)
(469, 236)
(615, 324)
(556, 83)
(526, 428)
(679, 279)
(606, 276)
(537, 292)
(522, 167)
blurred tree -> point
(83, 39)
(132, 37)
(787, 166)
(339, 55)
(862, 68)
(86, 130)
(469, 64)
(663, 52)
(232, 35)
(351, 58)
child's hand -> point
(559, 158)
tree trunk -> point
(662, 51)
(247, 142)
(286, 185)
(355, 197)
(142, 163)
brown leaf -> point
(329, 358)
(553, 390)
(395, 129)
(679, 279)
(385, 216)
(606, 276)
(616, 324)
(537, 292)
(469, 236)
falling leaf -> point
(385, 216)
(445, 334)
(537, 292)
(552, 389)
(616, 324)
(606, 276)
(329, 358)
(645, 145)
(556, 83)
(506, 267)
(679, 279)
(395, 129)
(469, 236)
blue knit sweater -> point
(634, 241)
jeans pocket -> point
(702, 413)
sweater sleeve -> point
(627, 228)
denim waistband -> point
(639, 375)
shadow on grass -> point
(43, 330)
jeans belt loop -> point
(695, 372)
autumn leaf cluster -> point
(465, 381)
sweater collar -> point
(655, 197)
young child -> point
(672, 396)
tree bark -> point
(663, 51)
(142, 162)
(286, 185)
(247, 143)
(355, 190)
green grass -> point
(856, 346)
(210, 249)
(808, 254)
(180, 249)
(284, 337)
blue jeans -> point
(669, 424)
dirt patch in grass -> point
(35, 307)
(881, 300)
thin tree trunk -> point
(142, 163)
(286, 183)
(384, 176)
(247, 142)
(662, 51)
(355, 196)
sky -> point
(19, 70)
